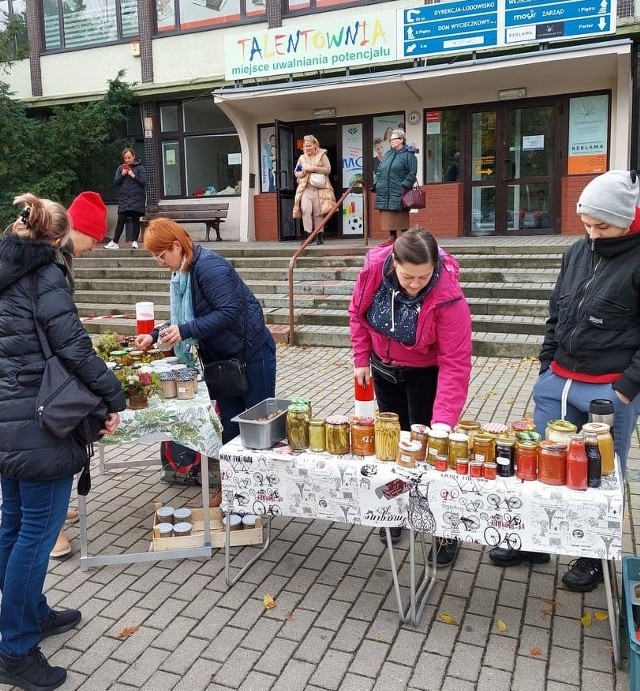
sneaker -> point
(446, 551)
(31, 672)
(112, 246)
(515, 557)
(59, 621)
(583, 575)
(396, 534)
(134, 245)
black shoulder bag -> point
(228, 378)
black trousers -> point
(408, 391)
(135, 225)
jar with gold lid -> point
(484, 447)
(470, 428)
(337, 435)
(297, 426)
(552, 463)
(458, 447)
(605, 444)
(527, 460)
(317, 441)
(438, 445)
(387, 433)
(560, 431)
(363, 436)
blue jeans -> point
(32, 515)
(261, 375)
(547, 395)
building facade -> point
(512, 105)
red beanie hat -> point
(88, 215)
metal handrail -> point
(312, 236)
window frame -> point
(314, 9)
(242, 21)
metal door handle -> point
(511, 164)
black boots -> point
(320, 239)
(31, 672)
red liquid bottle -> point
(144, 317)
(577, 464)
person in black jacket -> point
(213, 307)
(591, 348)
(396, 173)
(131, 178)
(37, 468)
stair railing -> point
(293, 261)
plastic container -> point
(259, 427)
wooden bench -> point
(212, 215)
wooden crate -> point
(245, 536)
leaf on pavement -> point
(288, 616)
(546, 613)
(550, 602)
(536, 651)
(127, 632)
(601, 616)
(448, 619)
(585, 620)
(501, 626)
(268, 601)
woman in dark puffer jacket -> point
(36, 468)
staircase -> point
(507, 282)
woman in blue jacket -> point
(396, 173)
(211, 306)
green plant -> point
(108, 342)
(138, 383)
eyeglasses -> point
(159, 257)
(395, 139)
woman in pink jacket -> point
(411, 333)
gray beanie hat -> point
(611, 198)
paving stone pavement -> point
(335, 625)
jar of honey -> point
(527, 460)
(484, 448)
(408, 452)
(317, 441)
(387, 433)
(438, 445)
(552, 463)
(605, 444)
(458, 447)
(420, 433)
(363, 436)
(337, 435)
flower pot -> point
(137, 401)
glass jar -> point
(438, 445)
(523, 425)
(297, 426)
(119, 357)
(527, 460)
(387, 433)
(577, 464)
(458, 447)
(363, 436)
(168, 384)
(420, 433)
(605, 444)
(506, 457)
(470, 428)
(317, 440)
(552, 463)
(407, 455)
(305, 402)
(337, 435)
(560, 431)
(184, 385)
(484, 448)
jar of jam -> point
(297, 426)
(337, 435)
(506, 457)
(470, 428)
(489, 470)
(387, 433)
(605, 444)
(442, 463)
(475, 468)
(462, 466)
(317, 434)
(527, 460)
(552, 463)
(363, 436)
(420, 433)
(438, 445)
(458, 447)
(484, 448)
(560, 431)
(577, 464)
(407, 455)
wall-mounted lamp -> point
(324, 113)
(148, 126)
(512, 94)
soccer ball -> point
(355, 225)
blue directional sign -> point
(449, 27)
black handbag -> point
(226, 379)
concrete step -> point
(514, 261)
(124, 300)
(500, 291)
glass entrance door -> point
(285, 179)
(512, 189)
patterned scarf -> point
(182, 312)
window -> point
(195, 14)
(200, 150)
(295, 6)
(443, 137)
(13, 20)
(75, 24)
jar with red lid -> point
(577, 464)
(363, 436)
(527, 460)
(552, 463)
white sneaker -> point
(134, 245)
(112, 246)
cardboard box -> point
(246, 536)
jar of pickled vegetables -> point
(470, 428)
(337, 434)
(317, 441)
(560, 431)
(297, 426)
(305, 402)
(458, 447)
(438, 445)
(363, 436)
(387, 433)
(605, 445)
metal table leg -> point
(420, 596)
(404, 615)
(613, 607)
(251, 562)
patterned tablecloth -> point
(352, 489)
(193, 423)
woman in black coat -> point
(212, 306)
(396, 173)
(37, 468)
(131, 178)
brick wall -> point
(266, 217)
(572, 186)
(443, 215)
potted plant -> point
(138, 386)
